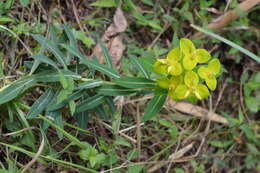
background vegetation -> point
(66, 106)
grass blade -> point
(228, 42)
(154, 107)
(49, 158)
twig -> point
(226, 18)
(138, 130)
(196, 111)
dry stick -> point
(196, 111)
(138, 131)
(76, 15)
(230, 15)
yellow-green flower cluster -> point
(184, 71)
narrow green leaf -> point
(52, 47)
(154, 107)
(134, 82)
(104, 3)
(57, 116)
(50, 158)
(107, 57)
(72, 39)
(10, 92)
(90, 103)
(115, 90)
(72, 138)
(228, 42)
(40, 104)
(54, 76)
(136, 62)
(45, 59)
(93, 64)
(82, 119)
(4, 171)
(90, 84)
(74, 96)
(221, 144)
(24, 3)
(102, 112)
(147, 63)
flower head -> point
(209, 73)
(191, 86)
(192, 56)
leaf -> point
(104, 3)
(201, 91)
(40, 104)
(202, 55)
(175, 68)
(187, 47)
(57, 116)
(252, 103)
(221, 144)
(45, 59)
(228, 42)
(74, 96)
(90, 84)
(211, 83)
(154, 107)
(135, 169)
(214, 66)
(4, 171)
(73, 41)
(135, 83)
(54, 76)
(93, 64)
(136, 62)
(191, 79)
(52, 47)
(11, 91)
(147, 63)
(174, 54)
(24, 3)
(4, 20)
(115, 90)
(105, 53)
(90, 103)
(181, 92)
(82, 119)
(122, 141)
(86, 40)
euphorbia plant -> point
(185, 73)
(185, 70)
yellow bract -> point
(181, 78)
(192, 56)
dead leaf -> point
(196, 111)
(113, 39)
